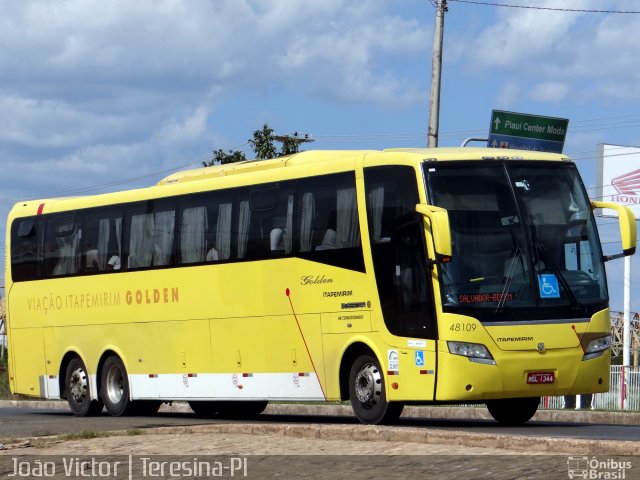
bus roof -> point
(312, 158)
(315, 156)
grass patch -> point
(134, 431)
(86, 435)
(5, 393)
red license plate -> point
(538, 378)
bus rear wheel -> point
(513, 411)
(367, 393)
(78, 390)
(114, 388)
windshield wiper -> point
(508, 278)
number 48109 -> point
(463, 327)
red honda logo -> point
(627, 184)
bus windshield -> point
(524, 241)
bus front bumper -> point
(521, 374)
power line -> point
(631, 120)
(555, 9)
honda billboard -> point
(619, 176)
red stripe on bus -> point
(40, 208)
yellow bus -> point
(387, 278)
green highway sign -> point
(527, 132)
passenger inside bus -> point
(277, 241)
(328, 240)
(113, 263)
(212, 255)
(91, 258)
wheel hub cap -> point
(368, 385)
(78, 385)
(114, 385)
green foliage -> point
(85, 435)
(4, 378)
(220, 157)
(290, 145)
(262, 143)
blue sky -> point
(104, 95)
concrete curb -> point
(514, 442)
(370, 433)
(434, 413)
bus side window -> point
(265, 221)
(151, 227)
(328, 227)
(62, 238)
(26, 249)
(193, 235)
(102, 242)
(205, 228)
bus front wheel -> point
(78, 390)
(114, 388)
(368, 395)
(513, 411)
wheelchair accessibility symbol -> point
(548, 286)
(419, 358)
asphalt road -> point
(326, 441)
(28, 422)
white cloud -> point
(550, 92)
(560, 56)
(51, 124)
(187, 129)
(521, 35)
(86, 82)
(509, 95)
(169, 45)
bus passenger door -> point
(407, 304)
(412, 284)
(403, 277)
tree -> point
(220, 157)
(290, 145)
(263, 147)
(262, 143)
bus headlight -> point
(475, 352)
(596, 346)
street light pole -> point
(436, 73)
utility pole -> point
(436, 74)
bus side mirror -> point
(440, 230)
(627, 224)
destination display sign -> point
(523, 131)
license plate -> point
(537, 378)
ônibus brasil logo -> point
(628, 187)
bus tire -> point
(513, 411)
(78, 390)
(114, 388)
(368, 395)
